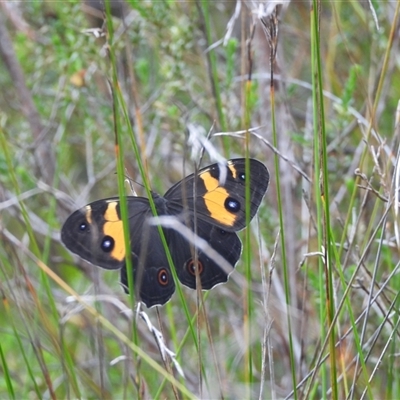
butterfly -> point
(210, 203)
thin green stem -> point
(286, 274)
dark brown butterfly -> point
(212, 202)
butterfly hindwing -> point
(151, 272)
(217, 255)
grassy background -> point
(312, 308)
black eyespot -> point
(191, 267)
(162, 277)
(222, 232)
(107, 244)
(232, 205)
(242, 176)
(83, 226)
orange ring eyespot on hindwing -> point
(191, 267)
(162, 277)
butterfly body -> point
(210, 204)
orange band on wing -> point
(215, 200)
(88, 214)
(232, 168)
(113, 227)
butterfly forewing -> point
(217, 201)
(95, 232)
